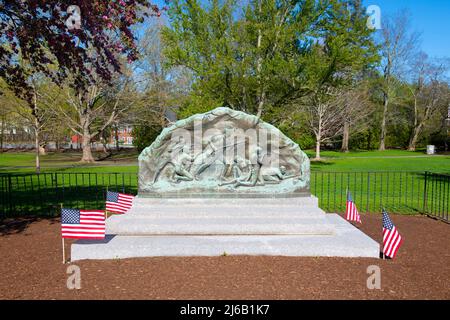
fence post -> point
(368, 192)
(425, 193)
(10, 195)
(4, 197)
(55, 183)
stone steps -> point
(218, 226)
(277, 216)
(225, 211)
(210, 227)
(298, 202)
(348, 241)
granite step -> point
(347, 241)
(300, 202)
(216, 226)
(226, 211)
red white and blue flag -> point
(82, 224)
(392, 239)
(118, 202)
(351, 212)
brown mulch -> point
(31, 268)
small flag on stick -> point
(118, 202)
(351, 212)
(392, 240)
(82, 224)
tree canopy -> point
(80, 37)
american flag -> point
(351, 211)
(118, 202)
(83, 224)
(391, 238)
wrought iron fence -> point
(436, 195)
(398, 192)
(42, 194)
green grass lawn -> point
(24, 162)
(389, 160)
(392, 179)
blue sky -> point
(429, 17)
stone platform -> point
(293, 226)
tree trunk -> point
(318, 139)
(87, 150)
(414, 137)
(262, 100)
(262, 94)
(383, 124)
(446, 144)
(116, 133)
(86, 140)
(317, 149)
(345, 137)
(104, 149)
(37, 147)
(2, 133)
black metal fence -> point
(436, 195)
(398, 192)
(42, 194)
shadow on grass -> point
(32, 200)
(321, 163)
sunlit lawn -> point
(375, 178)
(390, 160)
(67, 161)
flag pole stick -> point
(63, 243)
(64, 251)
(384, 256)
(382, 210)
(106, 212)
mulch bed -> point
(31, 268)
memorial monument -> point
(223, 153)
(225, 182)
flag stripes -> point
(392, 239)
(87, 224)
(118, 202)
(351, 212)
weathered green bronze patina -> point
(223, 153)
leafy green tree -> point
(342, 52)
(62, 33)
(247, 61)
(37, 113)
(276, 54)
(144, 135)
